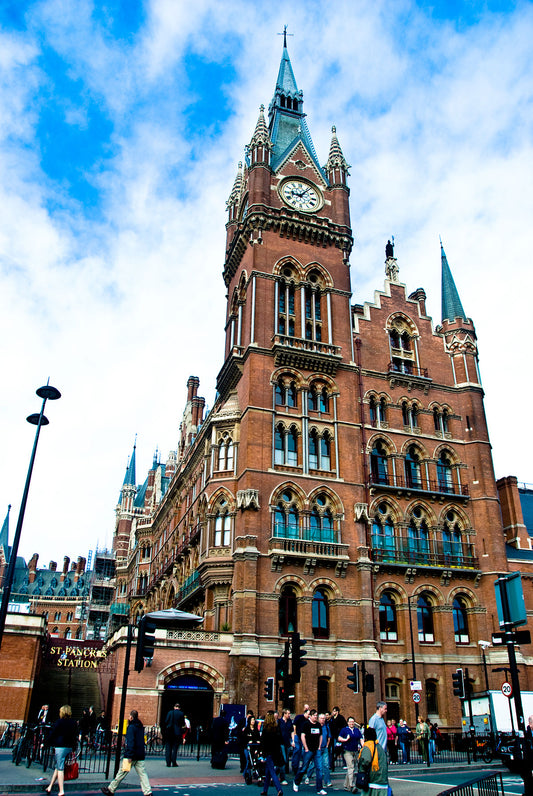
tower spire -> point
(4, 533)
(130, 477)
(451, 303)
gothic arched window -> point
(321, 520)
(320, 614)
(313, 314)
(378, 464)
(287, 517)
(222, 534)
(413, 473)
(286, 446)
(424, 614)
(383, 538)
(288, 614)
(286, 307)
(444, 473)
(388, 625)
(460, 621)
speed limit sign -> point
(507, 690)
(416, 697)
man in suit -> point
(174, 729)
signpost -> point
(416, 697)
(507, 690)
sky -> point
(121, 125)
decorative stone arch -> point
(395, 510)
(243, 279)
(215, 497)
(215, 679)
(463, 591)
(440, 406)
(289, 374)
(431, 590)
(336, 502)
(293, 580)
(386, 440)
(401, 322)
(446, 448)
(289, 262)
(326, 583)
(427, 510)
(420, 447)
(391, 586)
(278, 491)
(323, 281)
(324, 379)
(462, 517)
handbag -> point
(72, 770)
(362, 779)
(126, 764)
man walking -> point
(297, 752)
(134, 754)
(311, 738)
(174, 728)
(377, 721)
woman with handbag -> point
(64, 737)
(271, 743)
(372, 769)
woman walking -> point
(373, 762)
(271, 743)
(64, 737)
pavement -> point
(19, 779)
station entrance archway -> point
(195, 696)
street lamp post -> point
(484, 646)
(413, 661)
(507, 674)
(47, 392)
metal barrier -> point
(491, 785)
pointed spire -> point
(130, 477)
(336, 159)
(4, 533)
(261, 136)
(236, 192)
(451, 303)
(286, 81)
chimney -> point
(193, 383)
(32, 567)
(420, 296)
(52, 566)
(66, 562)
(80, 567)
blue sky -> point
(121, 127)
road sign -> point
(516, 637)
(507, 690)
(416, 685)
(416, 696)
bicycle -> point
(9, 734)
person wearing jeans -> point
(311, 737)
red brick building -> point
(342, 484)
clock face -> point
(301, 196)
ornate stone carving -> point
(248, 499)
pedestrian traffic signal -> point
(458, 683)
(269, 689)
(145, 641)
(282, 664)
(297, 657)
(353, 678)
(369, 683)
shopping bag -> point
(72, 770)
(126, 764)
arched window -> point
(321, 520)
(313, 449)
(78, 633)
(444, 473)
(313, 314)
(318, 399)
(286, 307)
(286, 517)
(424, 614)
(325, 452)
(413, 472)
(320, 614)
(68, 633)
(409, 415)
(288, 611)
(388, 625)
(401, 346)
(418, 541)
(378, 464)
(378, 411)
(373, 411)
(222, 525)
(460, 621)
(432, 703)
(55, 632)
(225, 453)
(383, 538)
(286, 394)
(286, 446)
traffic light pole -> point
(363, 690)
(123, 698)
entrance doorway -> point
(195, 697)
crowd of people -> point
(308, 745)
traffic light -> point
(353, 678)
(282, 664)
(458, 683)
(145, 641)
(297, 657)
(269, 689)
(369, 683)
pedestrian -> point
(336, 723)
(422, 736)
(42, 716)
(64, 737)
(373, 762)
(219, 740)
(251, 738)
(405, 737)
(324, 750)
(134, 754)
(377, 721)
(91, 720)
(392, 741)
(174, 727)
(287, 729)
(84, 726)
(297, 752)
(271, 747)
(310, 738)
(102, 729)
(351, 739)
(241, 740)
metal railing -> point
(421, 484)
(404, 551)
(491, 785)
